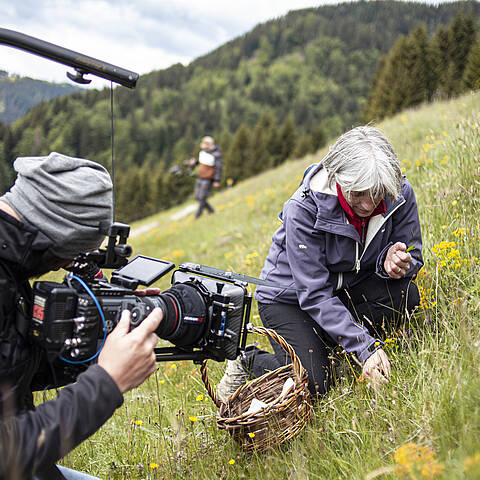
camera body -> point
(204, 312)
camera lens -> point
(184, 311)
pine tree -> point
(126, 195)
(261, 157)
(303, 146)
(317, 138)
(288, 138)
(471, 77)
(422, 72)
(394, 86)
(274, 144)
(442, 50)
(372, 109)
(463, 34)
(238, 155)
(146, 191)
(158, 191)
(224, 140)
(407, 77)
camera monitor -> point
(145, 270)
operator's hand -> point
(397, 261)
(192, 162)
(216, 184)
(376, 368)
(128, 357)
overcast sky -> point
(139, 35)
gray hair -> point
(363, 159)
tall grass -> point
(425, 424)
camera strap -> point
(22, 321)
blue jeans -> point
(74, 475)
(70, 474)
(202, 189)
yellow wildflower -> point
(153, 465)
(472, 463)
(412, 459)
(139, 422)
(231, 461)
(192, 419)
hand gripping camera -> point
(204, 311)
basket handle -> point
(267, 332)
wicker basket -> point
(276, 423)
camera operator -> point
(49, 216)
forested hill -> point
(311, 68)
(19, 94)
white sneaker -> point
(234, 377)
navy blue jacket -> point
(318, 251)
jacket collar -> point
(20, 243)
(330, 216)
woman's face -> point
(362, 203)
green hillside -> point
(425, 424)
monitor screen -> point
(145, 269)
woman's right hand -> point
(397, 261)
(376, 368)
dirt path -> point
(176, 216)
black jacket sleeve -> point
(217, 153)
(32, 442)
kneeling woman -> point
(350, 245)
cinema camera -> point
(204, 311)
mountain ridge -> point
(19, 94)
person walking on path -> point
(210, 163)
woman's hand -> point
(397, 261)
(377, 368)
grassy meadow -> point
(425, 424)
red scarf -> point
(360, 223)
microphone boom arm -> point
(81, 63)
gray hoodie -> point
(319, 252)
